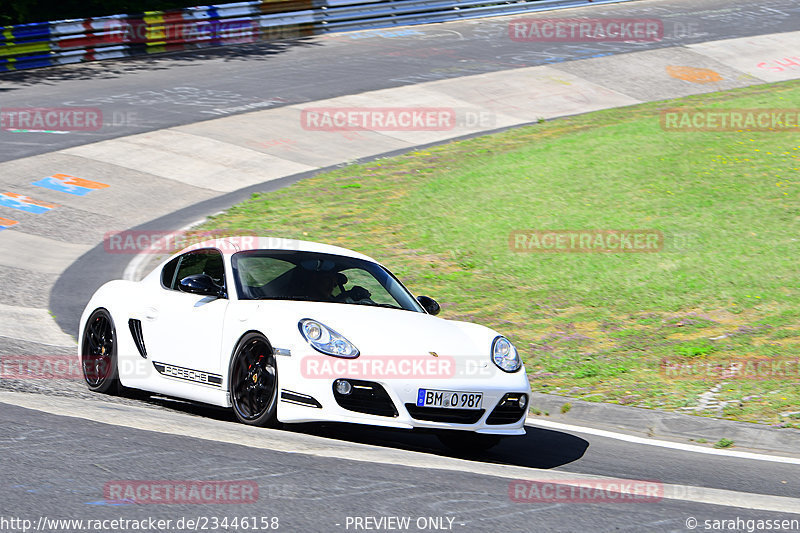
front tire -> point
(99, 353)
(253, 382)
(467, 441)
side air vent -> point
(136, 332)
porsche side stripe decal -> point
(188, 374)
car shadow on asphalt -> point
(538, 448)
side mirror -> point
(203, 285)
(429, 304)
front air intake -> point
(365, 397)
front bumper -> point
(392, 403)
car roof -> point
(239, 243)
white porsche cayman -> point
(295, 331)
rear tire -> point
(253, 382)
(99, 353)
(467, 441)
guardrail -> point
(62, 42)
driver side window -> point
(357, 277)
(207, 262)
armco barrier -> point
(61, 42)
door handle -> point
(151, 313)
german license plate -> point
(449, 399)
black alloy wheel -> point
(99, 353)
(254, 381)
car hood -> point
(373, 330)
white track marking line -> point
(661, 443)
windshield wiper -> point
(390, 306)
(299, 298)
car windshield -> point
(317, 277)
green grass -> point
(723, 443)
(591, 325)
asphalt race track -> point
(147, 94)
(61, 445)
(306, 493)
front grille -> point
(366, 397)
(442, 414)
(508, 410)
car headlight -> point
(504, 355)
(325, 340)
